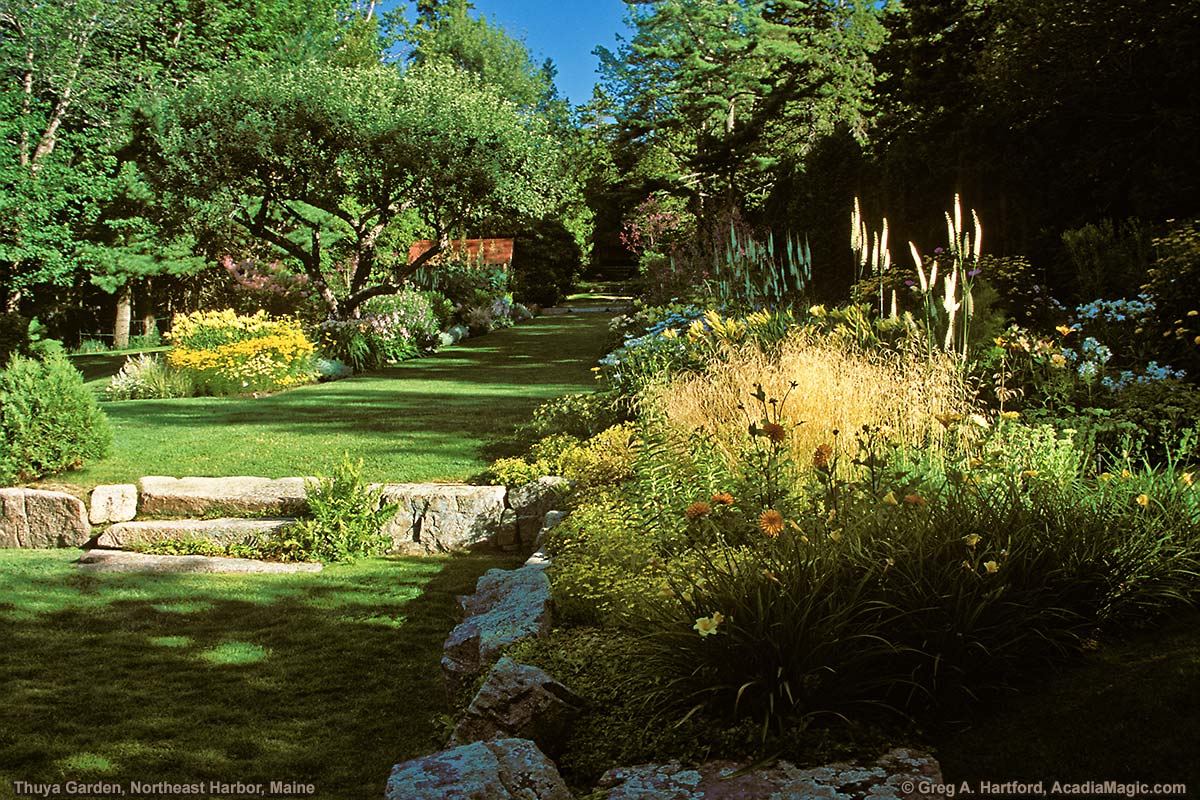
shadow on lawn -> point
(326, 679)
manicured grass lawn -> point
(439, 418)
(326, 679)
(1127, 714)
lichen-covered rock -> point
(35, 518)
(532, 501)
(198, 497)
(507, 607)
(444, 518)
(224, 531)
(520, 701)
(501, 769)
(549, 523)
(113, 503)
(894, 776)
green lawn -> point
(439, 418)
(326, 679)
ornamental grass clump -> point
(146, 376)
(230, 354)
(840, 386)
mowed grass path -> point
(324, 679)
(438, 418)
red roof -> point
(490, 252)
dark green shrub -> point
(1109, 259)
(14, 336)
(1173, 284)
(49, 422)
(546, 263)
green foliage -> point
(578, 415)
(1173, 283)
(1110, 260)
(147, 377)
(719, 85)
(910, 586)
(392, 328)
(347, 521)
(199, 547)
(547, 261)
(14, 336)
(448, 34)
(605, 569)
(359, 150)
(602, 461)
(49, 422)
(464, 284)
(751, 276)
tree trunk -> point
(124, 318)
(146, 306)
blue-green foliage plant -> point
(753, 274)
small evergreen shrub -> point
(49, 422)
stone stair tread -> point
(104, 560)
(226, 530)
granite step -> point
(99, 560)
(224, 531)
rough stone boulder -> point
(894, 776)
(532, 501)
(192, 497)
(443, 518)
(113, 503)
(507, 607)
(219, 531)
(520, 701)
(502, 769)
(37, 518)
(122, 561)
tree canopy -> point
(317, 162)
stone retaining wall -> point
(431, 517)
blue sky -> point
(565, 31)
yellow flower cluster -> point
(232, 353)
(224, 326)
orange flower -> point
(722, 499)
(773, 431)
(698, 510)
(771, 523)
(821, 456)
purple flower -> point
(974, 272)
(910, 283)
(938, 251)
